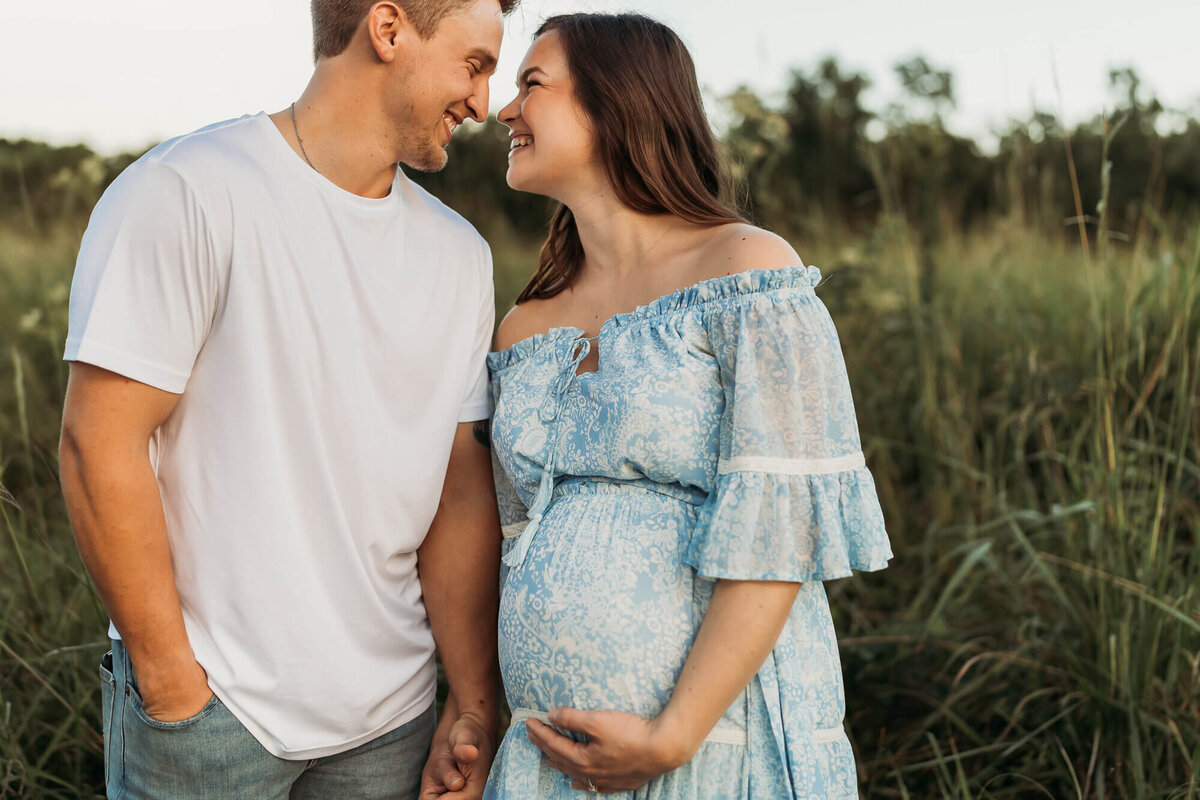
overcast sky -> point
(122, 74)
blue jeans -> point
(211, 756)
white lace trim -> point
(727, 735)
(721, 734)
(791, 466)
(514, 530)
(823, 735)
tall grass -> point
(51, 624)
(1030, 416)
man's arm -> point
(116, 512)
(459, 565)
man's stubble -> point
(418, 149)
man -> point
(277, 346)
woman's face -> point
(551, 146)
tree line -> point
(815, 158)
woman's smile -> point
(518, 142)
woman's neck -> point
(618, 242)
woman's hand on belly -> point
(623, 751)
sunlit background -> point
(1008, 228)
(121, 75)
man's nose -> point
(477, 103)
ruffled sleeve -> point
(793, 499)
(513, 513)
(512, 510)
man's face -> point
(444, 80)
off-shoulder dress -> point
(716, 440)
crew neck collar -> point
(294, 162)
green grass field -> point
(1031, 418)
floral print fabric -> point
(716, 440)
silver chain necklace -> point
(303, 152)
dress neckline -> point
(708, 290)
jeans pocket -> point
(135, 700)
(108, 694)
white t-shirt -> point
(325, 346)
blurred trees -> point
(473, 184)
(41, 184)
(816, 158)
(822, 157)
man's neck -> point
(343, 138)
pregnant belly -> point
(603, 612)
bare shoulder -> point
(739, 247)
(524, 320)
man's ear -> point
(387, 26)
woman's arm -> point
(624, 751)
(743, 623)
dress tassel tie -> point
(575, 351)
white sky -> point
(126, 73)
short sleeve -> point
(476, 404)
(514, 515)
(793, 499)
(146, 282)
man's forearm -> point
(459, 565)
(116, 512)
(462, 614)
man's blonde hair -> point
(335, 21)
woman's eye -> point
(531, 84)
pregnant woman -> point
(676, 455)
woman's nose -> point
(508, 114)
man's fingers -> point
(430, 790)
(445, 772)
(453, 780)
(431, 787)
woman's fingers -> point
(566, 755)
(466, 740)
(618, 756)
(554, 744)
(574, 719)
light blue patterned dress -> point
(716, 440)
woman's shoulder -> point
(523, 321)
(740, 247)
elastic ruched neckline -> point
(698, 294)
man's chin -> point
(434, 160)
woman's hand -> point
(623, 751)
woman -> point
(675, 480)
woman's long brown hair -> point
(636, 82)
